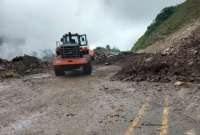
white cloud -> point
(42, 22)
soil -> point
(180, 63)
(20, 66)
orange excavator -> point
(72, 53)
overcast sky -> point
(31, 25)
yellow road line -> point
(165, 119)
(137, 119)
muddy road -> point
(43, 104)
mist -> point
(33, 25)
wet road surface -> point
(94, 105)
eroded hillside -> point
(171, 24)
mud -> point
(43, 104)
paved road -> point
(94, 105)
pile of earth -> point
(181, 63)
(22, 65)
(119, 58)
(106, 55)
(112, 59)
(101, 55)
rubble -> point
(101, 55)
(180, 63)
(106, 55)
(20, 66)
(178, 83)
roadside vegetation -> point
(168, 21)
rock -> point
(166, 51)
(70, 115)
(179, 83)
(190, 63)
(105, 87)
(149, 59)
(194, 52)
(107, 63)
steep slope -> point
(170, 21)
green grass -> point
(170, 20)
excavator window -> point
(74, 39)
(83, 40)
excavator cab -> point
(72, 53)
(74, 39)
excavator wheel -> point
(87, 69)
(59, 72)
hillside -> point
(170, 21)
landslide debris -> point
(20, 66)
(106, 55)
(181, 63)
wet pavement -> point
(75, 104)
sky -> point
(33, 25)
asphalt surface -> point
(75, 104)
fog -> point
(33, 25)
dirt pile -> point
(101, 56)
(20, 66)
(181, 63)
(112, 59)
(106, 55)
(119, 58)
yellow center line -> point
(165, 119)
(137, 119)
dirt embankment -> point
(20, 66)
(181, 63)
